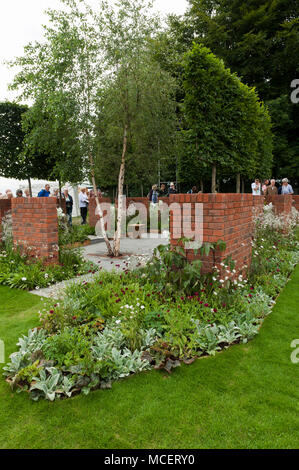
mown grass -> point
(245, 397)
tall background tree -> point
(259, 40)
(228, 127)
(15, 160)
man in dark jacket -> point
(163, 190)
(69, 206)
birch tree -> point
(64, 74)
(84, 54)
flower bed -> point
(23, 271)
(153, 317)
(75, 235)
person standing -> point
(8, 194)
(83, 204)
(194, 190)
(256, 187)
(19, 193)
(68, 206)
(163, 191)
(272, 189)
(285, 188)
(172, 189)
(265, 186)
(44, 192)
(153, 194)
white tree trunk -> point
(99, 208)
(121, 178)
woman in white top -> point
(256, 188)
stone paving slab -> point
(132, 250)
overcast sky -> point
(21, 22)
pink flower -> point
(206, 305)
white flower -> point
(222, 281)
(214, 278)
(24, 278)
(215, 293)
(142, 307)
(118, 322)
(37, 288)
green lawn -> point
(246, 397)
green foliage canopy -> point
(227, 124)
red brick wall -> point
(61, 204)
(282, 203)
(5, 206)
(296, 202)
(35, 226)
(228, 217)
(143, 200)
